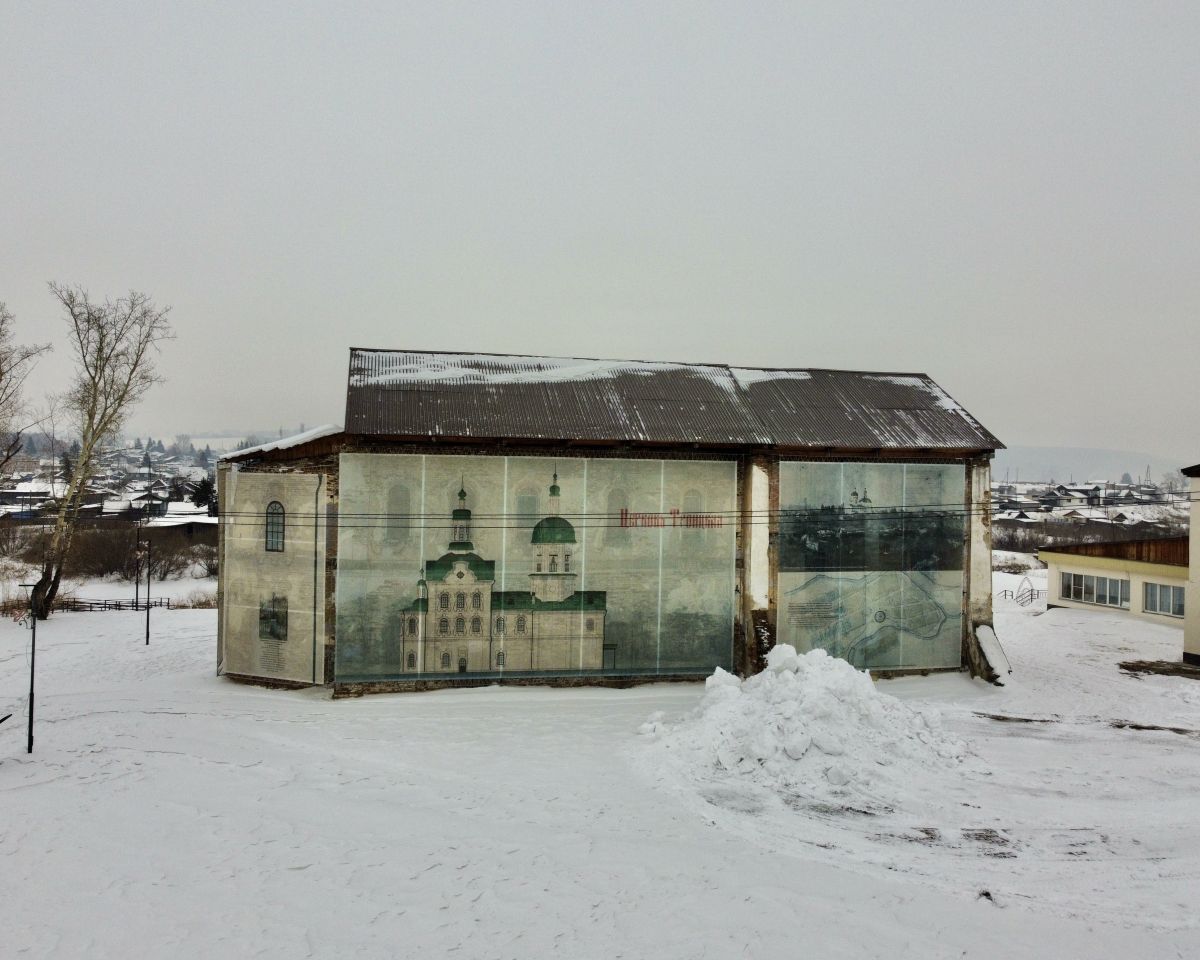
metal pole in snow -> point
(149, 546)
(32, 658)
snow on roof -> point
(748, 376)
(42, 487)
(438, 368)
(316, 433)
(432, 394)
(940, 396)
(185, 508)
(181, 520)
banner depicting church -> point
(485, 565)
(871, 561)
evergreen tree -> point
(137, 444)
(67, 469)
(146, 459)
(31, 446)
(205, 492)
(74, 448)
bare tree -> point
(114, 343)
(1173, 481)
(16, 361)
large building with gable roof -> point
(491, 518)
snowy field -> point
(167, 812)
(189, 589)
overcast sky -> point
(1005, 196)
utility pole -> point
(149, 545)
(32, 658)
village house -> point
(486, 518)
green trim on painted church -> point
(553, 530)
(550, 530)
(580, 600)
(442, 567)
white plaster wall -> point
(1138, 575)
(979, 544)
(1191, 602)
(250, 574)
(758, 575)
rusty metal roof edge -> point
(317, 445)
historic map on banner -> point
(871, 562)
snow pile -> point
(810, 728)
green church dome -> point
(553, 530)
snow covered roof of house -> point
(45, 488)
(181, 519)
(1017, 516)
(316, 433)
(1089, 513)
(403, 393)
(184, 508)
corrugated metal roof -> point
(843, 408)
(452, 395)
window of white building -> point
(1164, 599)
(1087, 588)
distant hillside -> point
(1078, 463)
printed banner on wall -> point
(527, 565)
(871, 561)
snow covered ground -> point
(166, 811)
(189, 587)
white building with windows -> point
(1146, 578)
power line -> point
(511, 519)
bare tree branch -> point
(114, 343)
(16, 362)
